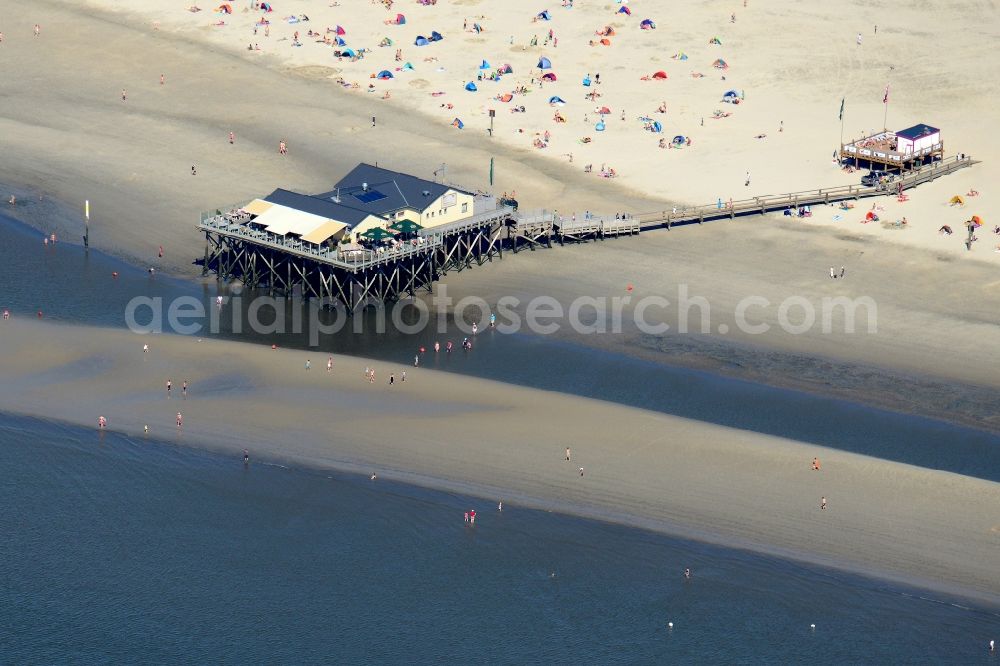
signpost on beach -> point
(493, 114)
(86, 223)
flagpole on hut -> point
(885, 103)
(86, 222)
(841, 125)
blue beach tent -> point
(436, 36)
(599, 126)
(485, 65)
(471, 87)
(385, 74)
(555, 99)
(544, 63)
(421, 41)
(544, 15)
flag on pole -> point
(841, 117)
(885, 97)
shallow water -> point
(68, 284)
(122, 550)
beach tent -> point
(715, 40)
(385, 42)
(586, 81)
(549, 76)
(680, 55)
(408, 67)
(340, 42)
(544, 15)
(506, 97)
(400, 19)
(956, 201)
(606, 31)
(471, 87)
(720, 64)
(976, 221)
(485, 65)
(604, 111)
(599, 126)
(647, 24)
(436, 36)
(266, 7)
(556, 101)
(660, 75)
(544, 63)
(457, 122)
(506, 69)
(657, 127)
(340, 31)
(385, 74)
(349, 53)
(679, 140)
(224, 9)
(730, 93)
(421, 41)
(870, 215)
(625, 10)
(606, 42)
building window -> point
(465, 207)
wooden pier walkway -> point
(779, 202)
(235, 250)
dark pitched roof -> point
(317, 205)
(917, 131)
(387, 190)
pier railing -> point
(772, 202)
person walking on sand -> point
(392, 379)
(841, 271)
(859, 39)
(371, 377)
(163, 79)
(170, 385)
(232, 138)
(567, 454)
(282, 147)
(308, 364)
(373, 121)
(581, 471)
(822, 502)
(124, 95)
(145, 348)
(184, 389)
(816, 464)
(747, 183)
(403, 378)
(180, 420)
(832, 274)
(38, 30)
(329, 364)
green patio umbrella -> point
(406, 226)
(377, 234)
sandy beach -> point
(497, 441)
(68, 135)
